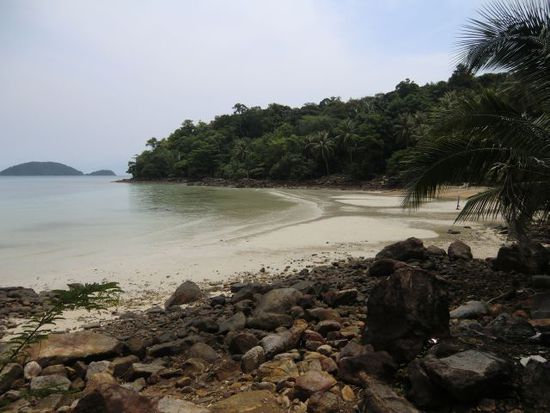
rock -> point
(242, 342)
(524, 361)
(343, 297)
(235, 323)
(348, 395)
(325, 326)
(528, 259)
(470, 309)
(252, 359)
(324, 402)
(382, 268)
(380, 398)
(541, 306)
(51, 382)
(203, 351)
(172, 405)
(82, 345)
(269, 321)
(511, 329)
(112, 398)
(55, 369)
(32, 369)
(98, 379)
(278, 343)
(410, 249)
(404, 311)
(99, 367)
(422, 391)
(438, 252)
(314, 381)
(278, 301)
(206, 324)
(458, 250)
(324, 314)
(277, 370)
(8, 375)
(145, 370)
(535, 382)
(186, 293)
(541, 281)
(136, 385)
(377, 364)
(255, 401)
(468, 375)
(122, 365)
(168, 348)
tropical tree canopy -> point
(498, 138)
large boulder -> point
(528, 259)
(256, 401)
(82, 345)
(458, 250)
(404, 311)
(112, 398)
(410, 249)
(468, 375)
(186, 293)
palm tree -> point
(348, 137)
(499, 138)
(321, 145)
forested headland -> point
(360, 138)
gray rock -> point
(411, 248)
(136, 385)
(278, 301)
(278, 343)
(123, 365)
(252, 359)
(240, 343)
(468, 375)
(433, 250)
(535, 384)
(186, 293)
(528, 259)
(234, 323)
(269, 321)
(167, 349)
(380, 398)
(458, 250)
(172, 405)
(51, 382)
(95, 367)
(8, 375)
(470, 309)
(203, 351)
(145, 369)
(509, 328)
(418, 295)
(32, 369)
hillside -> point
(102, 172)
(40, 169)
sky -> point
(87, 82)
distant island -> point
(49, 169)
(102, 172)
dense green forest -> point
(360, 138)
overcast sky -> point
(87, 82)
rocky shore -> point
(415, 329)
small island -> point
(41, 169)
(102, 172)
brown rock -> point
(256, 401)
(314, 381)
(277, 370)
(112, 398)
(187, 292)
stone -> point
(422, 391)
(170, 404)
(32, 369)
(535, 382)
(458, 250)
(348, 395)
(278, 301)
(528, 259)
(55, 369)
(99, 367)
(252, 359)
(524, 361)
(404, 311)
(277, 370)
(269, 321)
(50, 382)
(82, 345)
(122, 365)
(242, 342)
(206, 324)
(203, 351)
(325, 326)
(314, 381)
(410, 249)
(136, 385)
(10, 373)
(255, 401)
(541, 306)
(145, 370)
(324, 402)
(377, 364)
(511, 329)
(112, 398)
(342, 297)
(436, 251)
(380, 398)
(168, 348)
(101, 378)
(383, 267)
(278, 343)
(187, 292)
(321, 313)
(234, 323)
(137, 345)
(468, 375)
(470, 309)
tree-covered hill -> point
(40, 168)
(360, 138)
